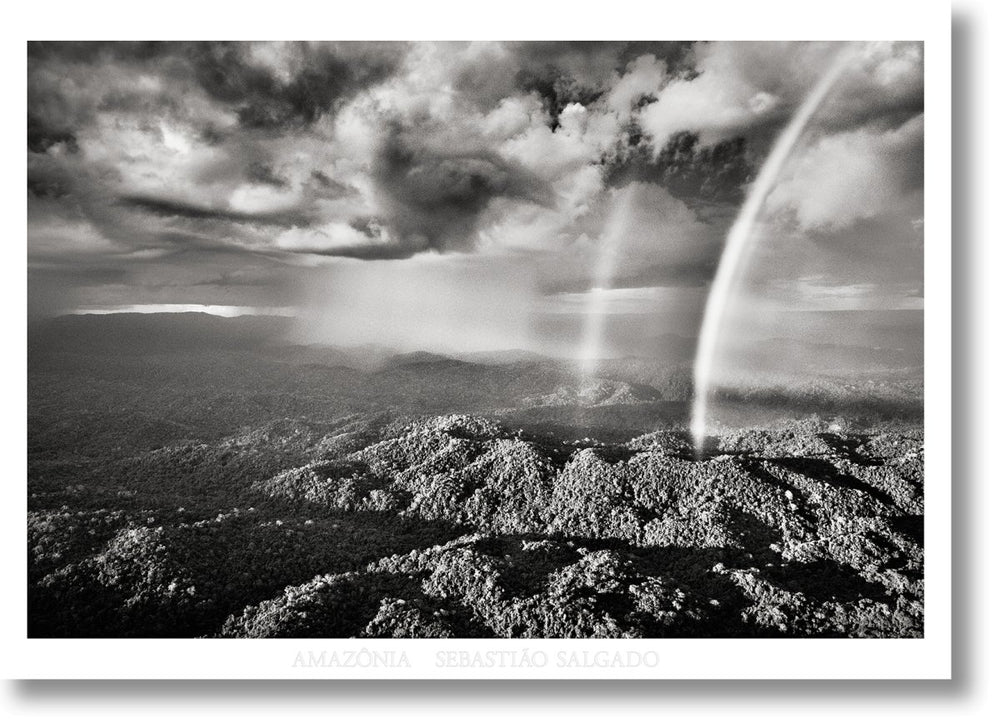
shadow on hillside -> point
(183, 580)
(827, 472)
(186, 580)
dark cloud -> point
(880, 105)
(44, 134)
(183, 244)
(377, 247)
(173, 208)
(98, 51)
(364, 251)
(263, 173)
(321, 76)
(327, 74)
(68, 85)
(883, 112)
(40, 187)
(329, 187)
(557, 91)
(595, 62)
(434, 197)
(676, 54)
(211, 135)
(370, 227)
(692, 172)
(48, 180)
(123, 101)
(561, 72)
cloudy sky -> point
(467, 196)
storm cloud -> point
(174, 209)
(163, 172)
(288, 86)
(433, 197)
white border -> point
(929, 657)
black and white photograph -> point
(531, 363)
(475, 339)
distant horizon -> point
(223, 311)
(881, 339)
